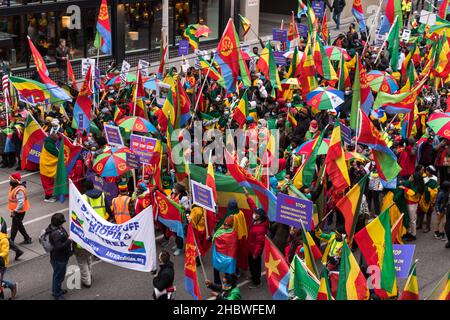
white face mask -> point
(255, 217)
(111, 91)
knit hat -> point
(142, 186)
(431, 169)
(123, 186)
(16, 176)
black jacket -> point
(62, 245)
(165, 277)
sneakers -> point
(409, 237)
(437, 235)
(50, 199)
(254, 286)
(177, 252)
(27, 241)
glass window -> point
(137, 25)
(155, 21)
(186, 13)
(41, 28)
(13, 40)
(209, 15)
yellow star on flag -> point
(272, 265)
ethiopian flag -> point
(210, 71)
(241, 111)
(352, 284)
(61, 188)
(189, 34)
(336, 166)
(411, 290)
(442, 290)
(375, 243)
(350, 204)
(268, 67)
(324, 288)
(311, 251)
(31, 135)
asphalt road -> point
(33, 272)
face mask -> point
(289, 105)
(13, 184)
(255, 217)
(111, 91)
(347, 93)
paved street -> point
(33, 272)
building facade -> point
(136, 28)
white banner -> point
(144, 67)
(129, 245)
(124, 73)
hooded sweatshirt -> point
(4, 244)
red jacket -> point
(407, 161)
(256, 238)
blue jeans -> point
(59, 273)
(337, 18)
(5, 283)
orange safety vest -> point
(121, 209)
(12, 199)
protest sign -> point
(133, 160)
(303, 30)
(35, 152)
(113, 135)
(346, 134)
(202, 196)
(124, 73)
(290, 210)
(143, 67)
(85, 63)
(279, 57)
(143, 147)
(279, 35)
(405, 35)
(183, 48)
(162, 91)
(403, 256)
(129, 245)
(318, 8)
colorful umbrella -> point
(382, 81)
(290, 54)
(138, 124)
(112, 162)
(307, 147)
(440, 123)
(335, 53)
(325, 98)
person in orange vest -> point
(122, 206)
(18, 205)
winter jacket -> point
(165, 277)
(62, 245)
(256, 237)
(4, 250)
(407, 160)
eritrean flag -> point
(42, 70)
(225, 250)
(375, 243)
(137, 247)
(394, 9)
(349, 205)
(31, 135)
(358, 14)
(169, 213)
(82, 114)
(229, 58)
(411, 290)
(266, 64)
(277, 271)
(352, 284)
(266, 197)
(103, 36)
(71, 153)
(190, 267)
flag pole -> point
(199, 255)
(384, 42)
(369, 35)
(135, 93)
(202, 87)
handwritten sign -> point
(113, 135)
(202, 196)
(143, 147)
(290, 210)
(403, 256)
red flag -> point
(190, 268)
(443, 9)
(71, 75)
